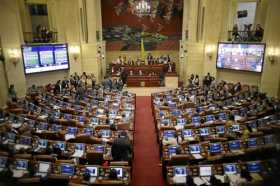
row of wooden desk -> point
(78, 138)
(186, 145)
(150, 77)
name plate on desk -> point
(142, 83)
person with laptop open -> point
(121, 148)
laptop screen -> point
(106, 133)
(60, 145)
(215, 147)
(222, 116)
(43, 167)
(56, 128)
(94, 121)
(234, 145)
(269, 139)
(172, 150)
(181, 121)
(253, 167)
(92, 171)
(88, 131)
(180, 171)
(195, 149)
(21, 164)
(72, 130)
(230, 169)
(205, 171)
(3, 162)
(210, 118)
(80, 146)
(252, 142)
(43, 126)
(235, 128)
(43, 143)
(169, 134)
(220, 129)
(119, 172)
(204, 131)
(24, 140)
(196, 120)
(187, 133)
(99, 148)
(67, 169)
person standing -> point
(12, 93)
(121, 148)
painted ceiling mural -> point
(123, 29)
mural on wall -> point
(123, 28)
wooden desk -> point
(143, 81)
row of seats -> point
(196, 129)
(48, 136)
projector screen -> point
(241, 56)
(45, 57)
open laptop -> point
(119, 171)
(92, 171)
(67, 169)
(180, 174)
(195, 151)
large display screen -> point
(241, 56)
(43, 58)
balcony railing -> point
(30, 37)
(245, 36)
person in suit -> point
(57, 87)
(12, 93)
(65, 84)
(121, 148)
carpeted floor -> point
(146, 169)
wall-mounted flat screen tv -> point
(241, 56)
(45, 57)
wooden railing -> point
(30, 37)
(244, 36)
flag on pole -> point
(142, 47)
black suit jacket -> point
(121, 149)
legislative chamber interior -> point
(140, 92)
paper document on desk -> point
(16, 125)
(221, 178)
(234, 178)
(179, 179)
(197, 156)
(105, 140)
(256, 176)
(206, 180)
(43, 117)
(41, 174)
(39, 131)
(92, 180)
(18, 173)
(19, 146)
(178, 127)
(69, 136)
(198, 181)
(236, 118)
(78, 153)
(237, 151)
(189, 138)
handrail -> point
(245, 36)
(31, 37)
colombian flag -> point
(142, 47)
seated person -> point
(121, 148)
(12, 93)
(2, 115)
